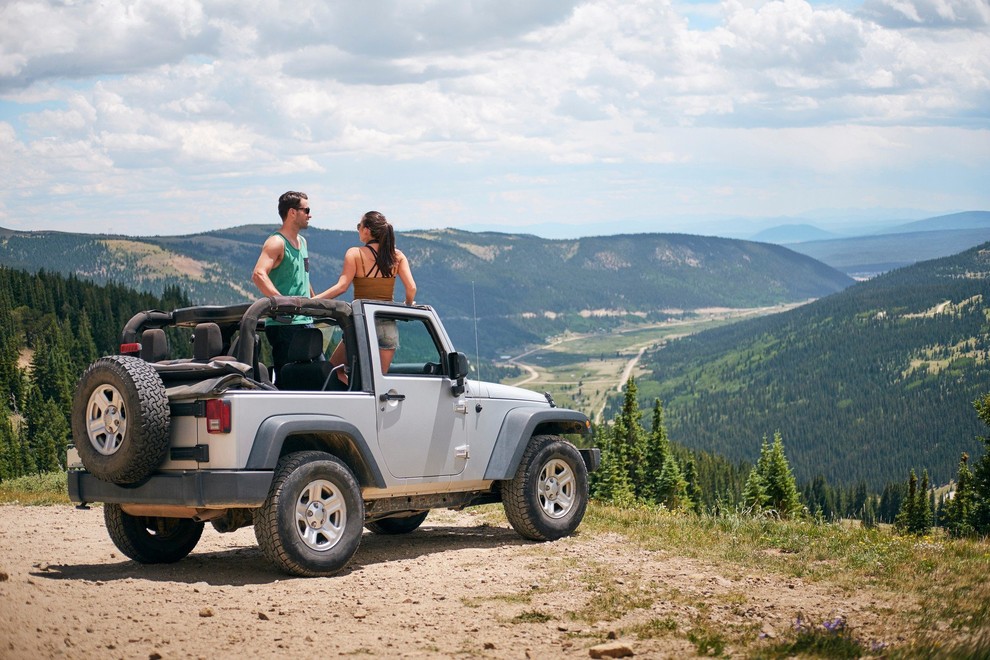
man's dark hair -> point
(289, 200)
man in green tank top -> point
(283, 270)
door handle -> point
(388, 396)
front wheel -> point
(151, 539)
(547, 497)
(310, 524)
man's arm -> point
(271, 256)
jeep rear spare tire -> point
(547, 497)
(120, 419)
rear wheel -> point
(397, 525)
(151, 539)
(311, 522)
(120, 419)
(547, 497)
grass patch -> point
(940, 581)
(707, 640)
(44, 488)
(610, 599)
(532, 616)
(654, 628)
(831, 639)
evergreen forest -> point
(51, 328)
(864, 385)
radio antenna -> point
(477, 350)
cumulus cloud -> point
(972, 14)
(42, 39)
(215, 93)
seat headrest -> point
(154, 345)
(207, 342)
(306, 344)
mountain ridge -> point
(517, 279)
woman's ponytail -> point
(381, 230)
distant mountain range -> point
(520, 288)
(865, 384)
(863, 256)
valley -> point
(582, 370)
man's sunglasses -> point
(304, 210)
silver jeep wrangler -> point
(170, 444)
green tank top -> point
(291, 276)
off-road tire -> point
(311, 522)
(548, 495)
(120, 419)
(392, 526)
(149, 539)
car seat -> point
(306, 369)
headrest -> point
(306, 344)
(207, 342)
(154, 345)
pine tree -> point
(672, 487)
(922, 523)
(980, 513)
(693, 487)
(781, 489)
(634, 442)
(915, 516)
(84, 350)
(755, 492)
(51, 435)
(868, 514)
(611, 483)
(657, 450)
(51, 368)
(958, 510)
(25, 456)
(8, 449)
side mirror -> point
(457, 365)
(457, 368)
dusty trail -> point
(457, 587)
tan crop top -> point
(371, 287)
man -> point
(283, 269)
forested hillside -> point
(522, 288)
(51, 328)
(863, 385)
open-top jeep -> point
(169, 444)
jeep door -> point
(421, 431)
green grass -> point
(945, 577)
(45, 488)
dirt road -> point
(457, 587)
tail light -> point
(130, 349)
(217, 416)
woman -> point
(373, 268)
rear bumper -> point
(200, 488)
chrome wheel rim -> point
(321, 515)
(106, 419)
(555, 488)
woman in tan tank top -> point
(373, 268)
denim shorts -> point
(388, 334)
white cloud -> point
(974, 14)
(213, 97)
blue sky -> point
(557, 118)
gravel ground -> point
(457, 587)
